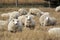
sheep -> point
(22, 11)
(57, 9)
(22, 18)
(29, 22)
(46, 20)
(5, 16)
(15, 25)
(54, 33)
(13, 15)
(35, 11)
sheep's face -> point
(47, 18)
(15, 21)
(28, 18)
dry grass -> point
(39, 33)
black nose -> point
(29, 19)
(16, 17)
(16, 24)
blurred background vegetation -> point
(24, 3)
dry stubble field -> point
(39, 33)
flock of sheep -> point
(17, 20)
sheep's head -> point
(28, 18)
(22, 11)
(15, 21)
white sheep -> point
(22, 18)
(29, 22)
(5, 16)
(15, 25)
(13, 15)
(54, 33)
(44, 19)
(35, 11)
(22, 11)
(57, 9)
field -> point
(39, 33)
